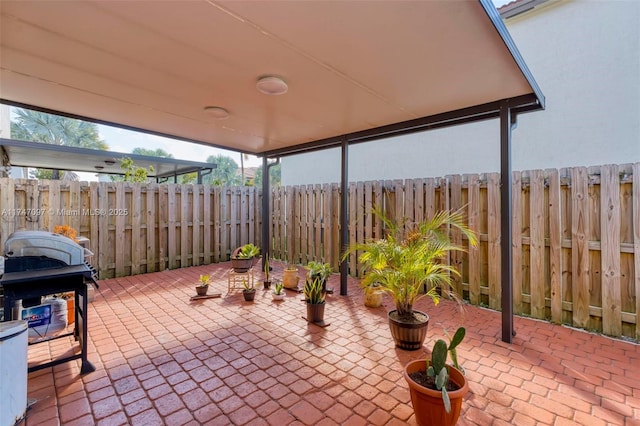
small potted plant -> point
(436, 388)
(372, 296)
(203, 286)
(278, 291)
(290, 277)
(249, 291)
(267, 272)
(314, 296)
(244, 257)
(319, 270)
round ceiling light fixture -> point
(110, 162)
(271, 85)
(217, 112)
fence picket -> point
(136, 235)
(536, 243)
(610, 249)
(555, 246)
(516, 223)
(152, 218)
(473, 183)
(580, 246)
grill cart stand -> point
(38, 283)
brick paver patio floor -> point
(163, 359)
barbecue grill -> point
(39, 263)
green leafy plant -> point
(133, 172)
(313, 292)
(266, 267)
(408, 262)
(248, 285)
(453, 343)
(205, 280)
(247, 251)
(278, 288)
(318, 270)
(438, 368)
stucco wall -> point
(585, 55)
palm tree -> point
(226, 172)
(41, 127)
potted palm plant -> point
(408, 265)
(203, 286)
(314, 296)
(243, 257)
(437, 389)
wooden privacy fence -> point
(576, 246)
(137, 228)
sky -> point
(121, 140)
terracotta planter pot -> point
(201, 290)
(290, 278)
(408, 336)
(372, 298)
(427, 403)
(315, 312)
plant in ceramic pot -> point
(203, 286)
(249, 291)
(373, 296)
(314, 296)
(290, 277)
(244, 257)
(278, 291)
(320, 271)
(408, 264)
(436, 388)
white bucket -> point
(13, 371)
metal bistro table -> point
(38, 283)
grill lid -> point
(43, 243)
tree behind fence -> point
(577, 260)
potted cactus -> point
(436, 388)
(267, 272)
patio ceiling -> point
(350, 66)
